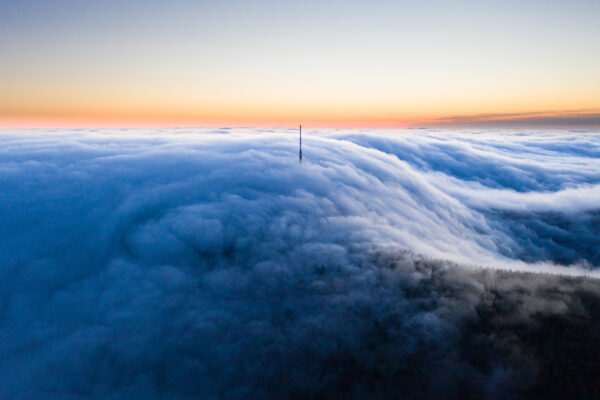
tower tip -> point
(300, 152)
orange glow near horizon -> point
(68, 122)
(160, 122)
(99, 103)
(264, 119)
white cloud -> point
(183, 264)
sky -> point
(278, 63)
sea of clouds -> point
(212, 264)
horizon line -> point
(563, 119)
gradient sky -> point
(276, 63)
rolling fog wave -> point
(212, 264)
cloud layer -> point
(211, 264)
(582, 118)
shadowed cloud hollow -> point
(211, 264)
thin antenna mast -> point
(300, 152)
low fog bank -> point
(203, 264)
